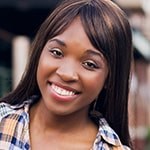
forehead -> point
(75, 34)
(74, 38)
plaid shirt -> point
(14, 130)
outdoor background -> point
(19, 22)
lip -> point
(60, 97)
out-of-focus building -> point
(138, 12)
(19, 22)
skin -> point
(70, 62)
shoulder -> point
(7, 110)
(13, 125)
(107, 138)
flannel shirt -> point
(14, 130)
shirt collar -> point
(107, 134)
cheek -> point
(43, 70)
(40, 75)
(94, 84)
(45, 67)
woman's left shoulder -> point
(107, 138)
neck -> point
(49, 121)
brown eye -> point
(56, 52)
(90, 65)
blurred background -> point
(19, 22)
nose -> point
(67, 72)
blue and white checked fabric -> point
(14, 130)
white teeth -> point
(61, 91)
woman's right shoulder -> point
(10, 111)
(5, 110)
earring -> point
(94, 105)
(94, 112)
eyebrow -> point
(89, 51)
(94, 52)
(59, 42)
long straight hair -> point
(109, 31)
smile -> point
(61, 91)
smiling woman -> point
(69, 96)
(73, 67)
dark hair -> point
(109, 31)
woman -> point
(76, 79)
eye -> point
(56, 52)
(90, 65)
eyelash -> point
(89, 64)
(56, 52)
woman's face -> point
(71, 72)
